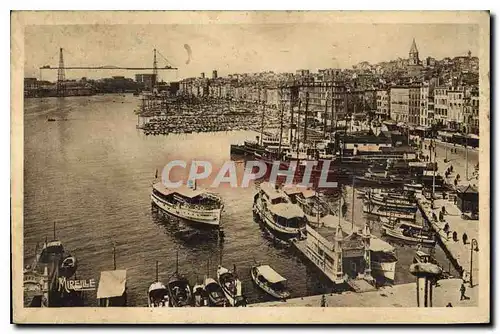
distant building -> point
(146, 81)
(302, 73)
(202, 75)
(214, 74)
(383, 104)
(414, 64)
(413, 59)
(400, 101)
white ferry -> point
(277, 212)
(194, 205)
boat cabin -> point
(284, 212)
(112, 289)
(267, 276)
(51, 249)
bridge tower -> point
(60, 75)
(155, 71)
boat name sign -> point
(69, 285)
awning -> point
(286, 210)
(379, 245)
(112, 284)
(308, 193)
(270, 274)
(270, 190)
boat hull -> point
(281, 230)
(385, 269)
(208, 218)
(398, 235)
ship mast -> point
(262, 121)
(282, 107)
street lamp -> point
(473, 247)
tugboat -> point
(278, 213)
(231, 286)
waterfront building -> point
(471, 113)
(456, 108)
(341, 253)
(441, 105)
(424, 106)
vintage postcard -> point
(250, 167)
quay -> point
(457, 252)
(402, 295)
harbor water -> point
(90, 171)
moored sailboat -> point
(158, 293)
(231, 286)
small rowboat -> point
(231, 286)
(270, 281)
(200, 295)
(158, 295)
(214, 292)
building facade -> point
(399, 102)
(441, 106)
(383, 104)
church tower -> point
(413, 55)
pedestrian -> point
(462, 292)
(323, 301)
(464, 238)
(456, 182)
(455, 236)
(446, 227)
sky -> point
(231, 48)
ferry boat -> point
(194, 205)
(231, 286)
(270, 281)
(278, 213)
